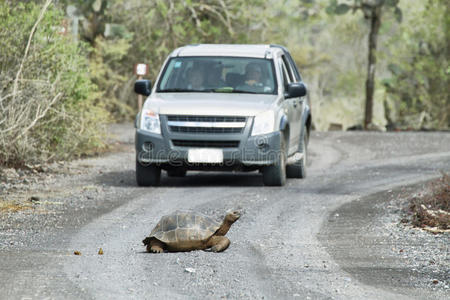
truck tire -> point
(147, 175)
(298, 168)
(275, 175)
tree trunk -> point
(375, 22)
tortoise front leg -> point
(155, 246)
(218, 243)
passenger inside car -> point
(195, 79)
(214, 77)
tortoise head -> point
(232, 216)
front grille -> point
(206, 124)
(182, 118)
(219, 130)
(206, 144)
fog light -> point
(147, 146)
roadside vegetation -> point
(66, 66)
(431, 210)
(47, 107)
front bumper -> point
(246, 151)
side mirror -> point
(143, 87)
(296, 89)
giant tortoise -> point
(186, 231)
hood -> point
(218, 104)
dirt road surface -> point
(333, 235)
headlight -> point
(150, 121)
(263, 123)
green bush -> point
(47, 108)
(418, 87)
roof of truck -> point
(260, 51)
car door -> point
(301, 100)
(295, 108)
(290, 106)
(303, 104)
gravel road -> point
(334, 235)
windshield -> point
(219, 75)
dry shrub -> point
(433, 209)
(47, 108)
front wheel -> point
(147, 175)
(275, 175)
(298, 168)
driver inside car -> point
(253, 75)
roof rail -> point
(278, 46)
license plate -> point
(211, 156)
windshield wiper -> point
(217, 90)
(175, 90)
(180, 90)
(244, 92)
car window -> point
(289, 69)
(218, 74)
(286, 77)
(290, 62)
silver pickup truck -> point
(224, 107)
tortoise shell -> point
(184, 228)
